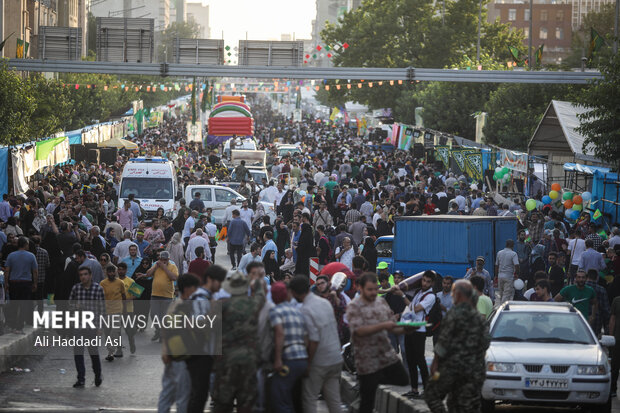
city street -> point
(131, 383)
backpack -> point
(434, 316)
(183, 343)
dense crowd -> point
(71, 238)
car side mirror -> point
(607, 341)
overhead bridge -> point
(408, 74)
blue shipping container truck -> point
(448, 244)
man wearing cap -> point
(143, 245)
(235, 370)
(164, 275)
(382, 268)
(488, 280)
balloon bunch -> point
(573, 203)
(502, 174)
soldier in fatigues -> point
(235, 370)
(458, 369)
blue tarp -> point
(585, 169)
(4, 167)
(608, 191)
(75, 137)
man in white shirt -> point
(229, 210)
(376, 217)
(246, 213)
(345, 253)
(506, 271)
(576, 247)
(460, 201)
(253, 255)
(121, 251)
(613, 241)
(415, 343)
(195, 242)
(190, 223)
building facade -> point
(551, 26)
(200, 14)
(159, 10)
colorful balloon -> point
(496, 176)
(530, 204)
(577, 207)
(586, 196)
(556, 187)
(575, 214)
(568, 204)
(554, 194)
(505, 170)
(546, 199)
(567, 195)
(568, 213)
(577, 199)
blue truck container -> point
(448, 244)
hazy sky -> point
(262, 19)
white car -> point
(545, 353)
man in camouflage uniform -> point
(235, 370)
(458, 369)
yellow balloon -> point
(554, 194)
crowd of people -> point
(72, 238)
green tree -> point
(184, 30)
(18, 105)
(403, 33)
(515, 109)
(601, 123)
(603, 22)
(54, 109)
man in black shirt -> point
(556, 273)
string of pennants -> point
(329, 50)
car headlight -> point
(591, 370)
(501, 367)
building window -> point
(559, 33)
(543, 33)
(543, 15)
(512, 15)
(526, 32)
(559, 16)
(526, 15)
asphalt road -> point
(130, 384)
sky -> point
(262, 19)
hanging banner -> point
(44, 148)
(474, 161)
(395, 134)
(459, 158)
(444, 154)
(406, 137)
(20, 185)
(516, 161)
(4, 167)
(194, 132)
(468, 169)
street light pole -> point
(616, 26)
(531, 34)
(479, 24)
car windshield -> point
(147, 188)
(384, 249)
(541, 327)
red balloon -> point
(577, 200)
(568, 204)
(556, 187)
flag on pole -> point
(539, 54)
(22, 49)
(596, 42)
(4, 41)
(597, 214)
(193, 102)
(335, 112)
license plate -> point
(546, 383)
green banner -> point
(459, 158)
(444, 154)
(44, 148)
(474, 161)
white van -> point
(153, 181)
(218, 198)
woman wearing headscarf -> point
(282, 240)
(142, 304)
(272, 270)
(175, 248)
(370, 253)
(287, 205)
(12, 227)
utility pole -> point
(479, 24)
(531, 34)
(616, 26)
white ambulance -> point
(153, 181)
